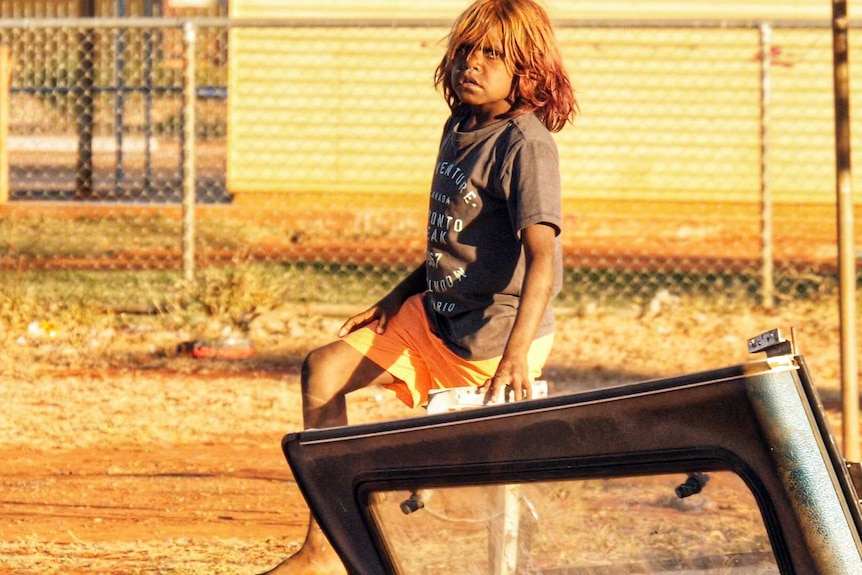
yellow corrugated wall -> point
(668, 114)
(560, 9)
(309, 111)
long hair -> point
(540, 83)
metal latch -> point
(773, 344)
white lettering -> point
(454, 173)
(440, 198)
(440, 220)
(443, 285)
(438, 236)
(433, 259)
(444, 221)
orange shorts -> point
(420, 361)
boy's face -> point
(481, 79)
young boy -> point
(477, 312)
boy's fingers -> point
(485, 389)
(504, 393)
(381, 324)
(346, 328)
(494, 393)
(353, 323)
(500, 393)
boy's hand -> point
(389, 305)
(511, 382)
(379, 312)
(360, 320)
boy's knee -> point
(316, 362)
(310, 365)
(322, 373)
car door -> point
(730, 470)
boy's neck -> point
(473, 122)
(481, 117)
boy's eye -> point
(490, 53)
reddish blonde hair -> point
(530, 51)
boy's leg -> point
(329, 373)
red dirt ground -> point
(152, 472)
(178, 470)
(175, 467)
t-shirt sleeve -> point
(532, 185)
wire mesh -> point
(314, 142)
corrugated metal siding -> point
(335, 109)
(665, 114)
(561, 9)
(102, 8)
(347, 9)
(676, 115)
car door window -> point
(645, 524)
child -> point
(477, 312)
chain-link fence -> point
(702, 160)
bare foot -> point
(317, 557)
(308, 562)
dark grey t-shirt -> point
(488, 185)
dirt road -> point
(155, 472)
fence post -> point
(189, 182)
(846, 247)
(5, 96)
(120, 104)
(767, 263)
(85, 107)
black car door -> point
(731, 470)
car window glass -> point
(646, 524)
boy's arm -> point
(513, 371)
(389, 305)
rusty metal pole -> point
(846, 248)
(767, 293)
(5, 97)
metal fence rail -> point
(702, 160)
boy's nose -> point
(473, 61)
